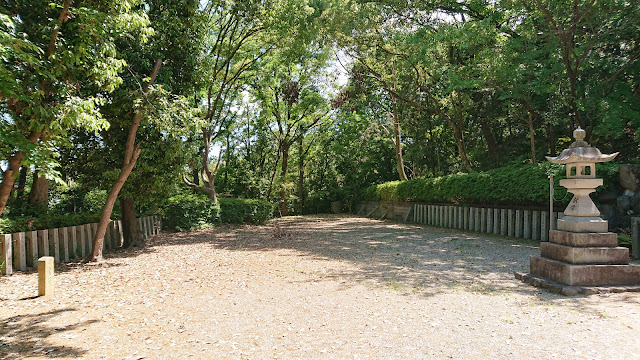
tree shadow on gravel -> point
(408, 258)
(26, 336)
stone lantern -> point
(581, 255)
(581, 215)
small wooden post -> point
(43, 242)
(19, 251)
(527, 224)
(535, 225)
(73, 243)
(81, 238)
(472, 218)
(120, 235)
(54, 245)
(32, 248)
(45, 276)
(510, 223)
(64, 243)
(518, 224)
(5, 254)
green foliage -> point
(187, 212)
(54, 76)
(94, 200)
(238, 211)
(45, 221)
(624, 240)
(525, 185)
(318, 202)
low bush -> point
(318, 202)
(238, 211)
(45, 221)
(526, 185)
(187, 212)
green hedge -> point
(526, 185)
(194, 211)
(238, 211)
(186, 212)
(46, 221)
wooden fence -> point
(519, 223)
(22, 250)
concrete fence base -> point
(519, 223)
(20, 251)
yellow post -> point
(45, 275)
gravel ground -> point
(316, 288)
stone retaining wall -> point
(19, 251)
(520, 223)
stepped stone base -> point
(584, 275)
(583, 239)
(583, 224)
(585, 255)
(573, 290)
(583, 259)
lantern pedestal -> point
(582, 253)
(584, 259)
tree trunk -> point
(492, 147)
(22, 181)
(301, 176)
(196, 176)
(532, 138)
(457, 133)
(131, 231)
(283, 177)
(398, 141)
(9, 178)
(463, 152)
(275, 171)
(39, 194)
(132, 151)
(552, 140)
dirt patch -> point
(321, 287)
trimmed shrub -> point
(45, 221)
(318, 202)
(526, 185)
(238, 211)
(186, 212)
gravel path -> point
(321, 288)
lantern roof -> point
(581, 152)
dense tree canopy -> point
(302, 102)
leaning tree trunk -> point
(9, 176)
(39, 194)
(130, 229)
(132, 152)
